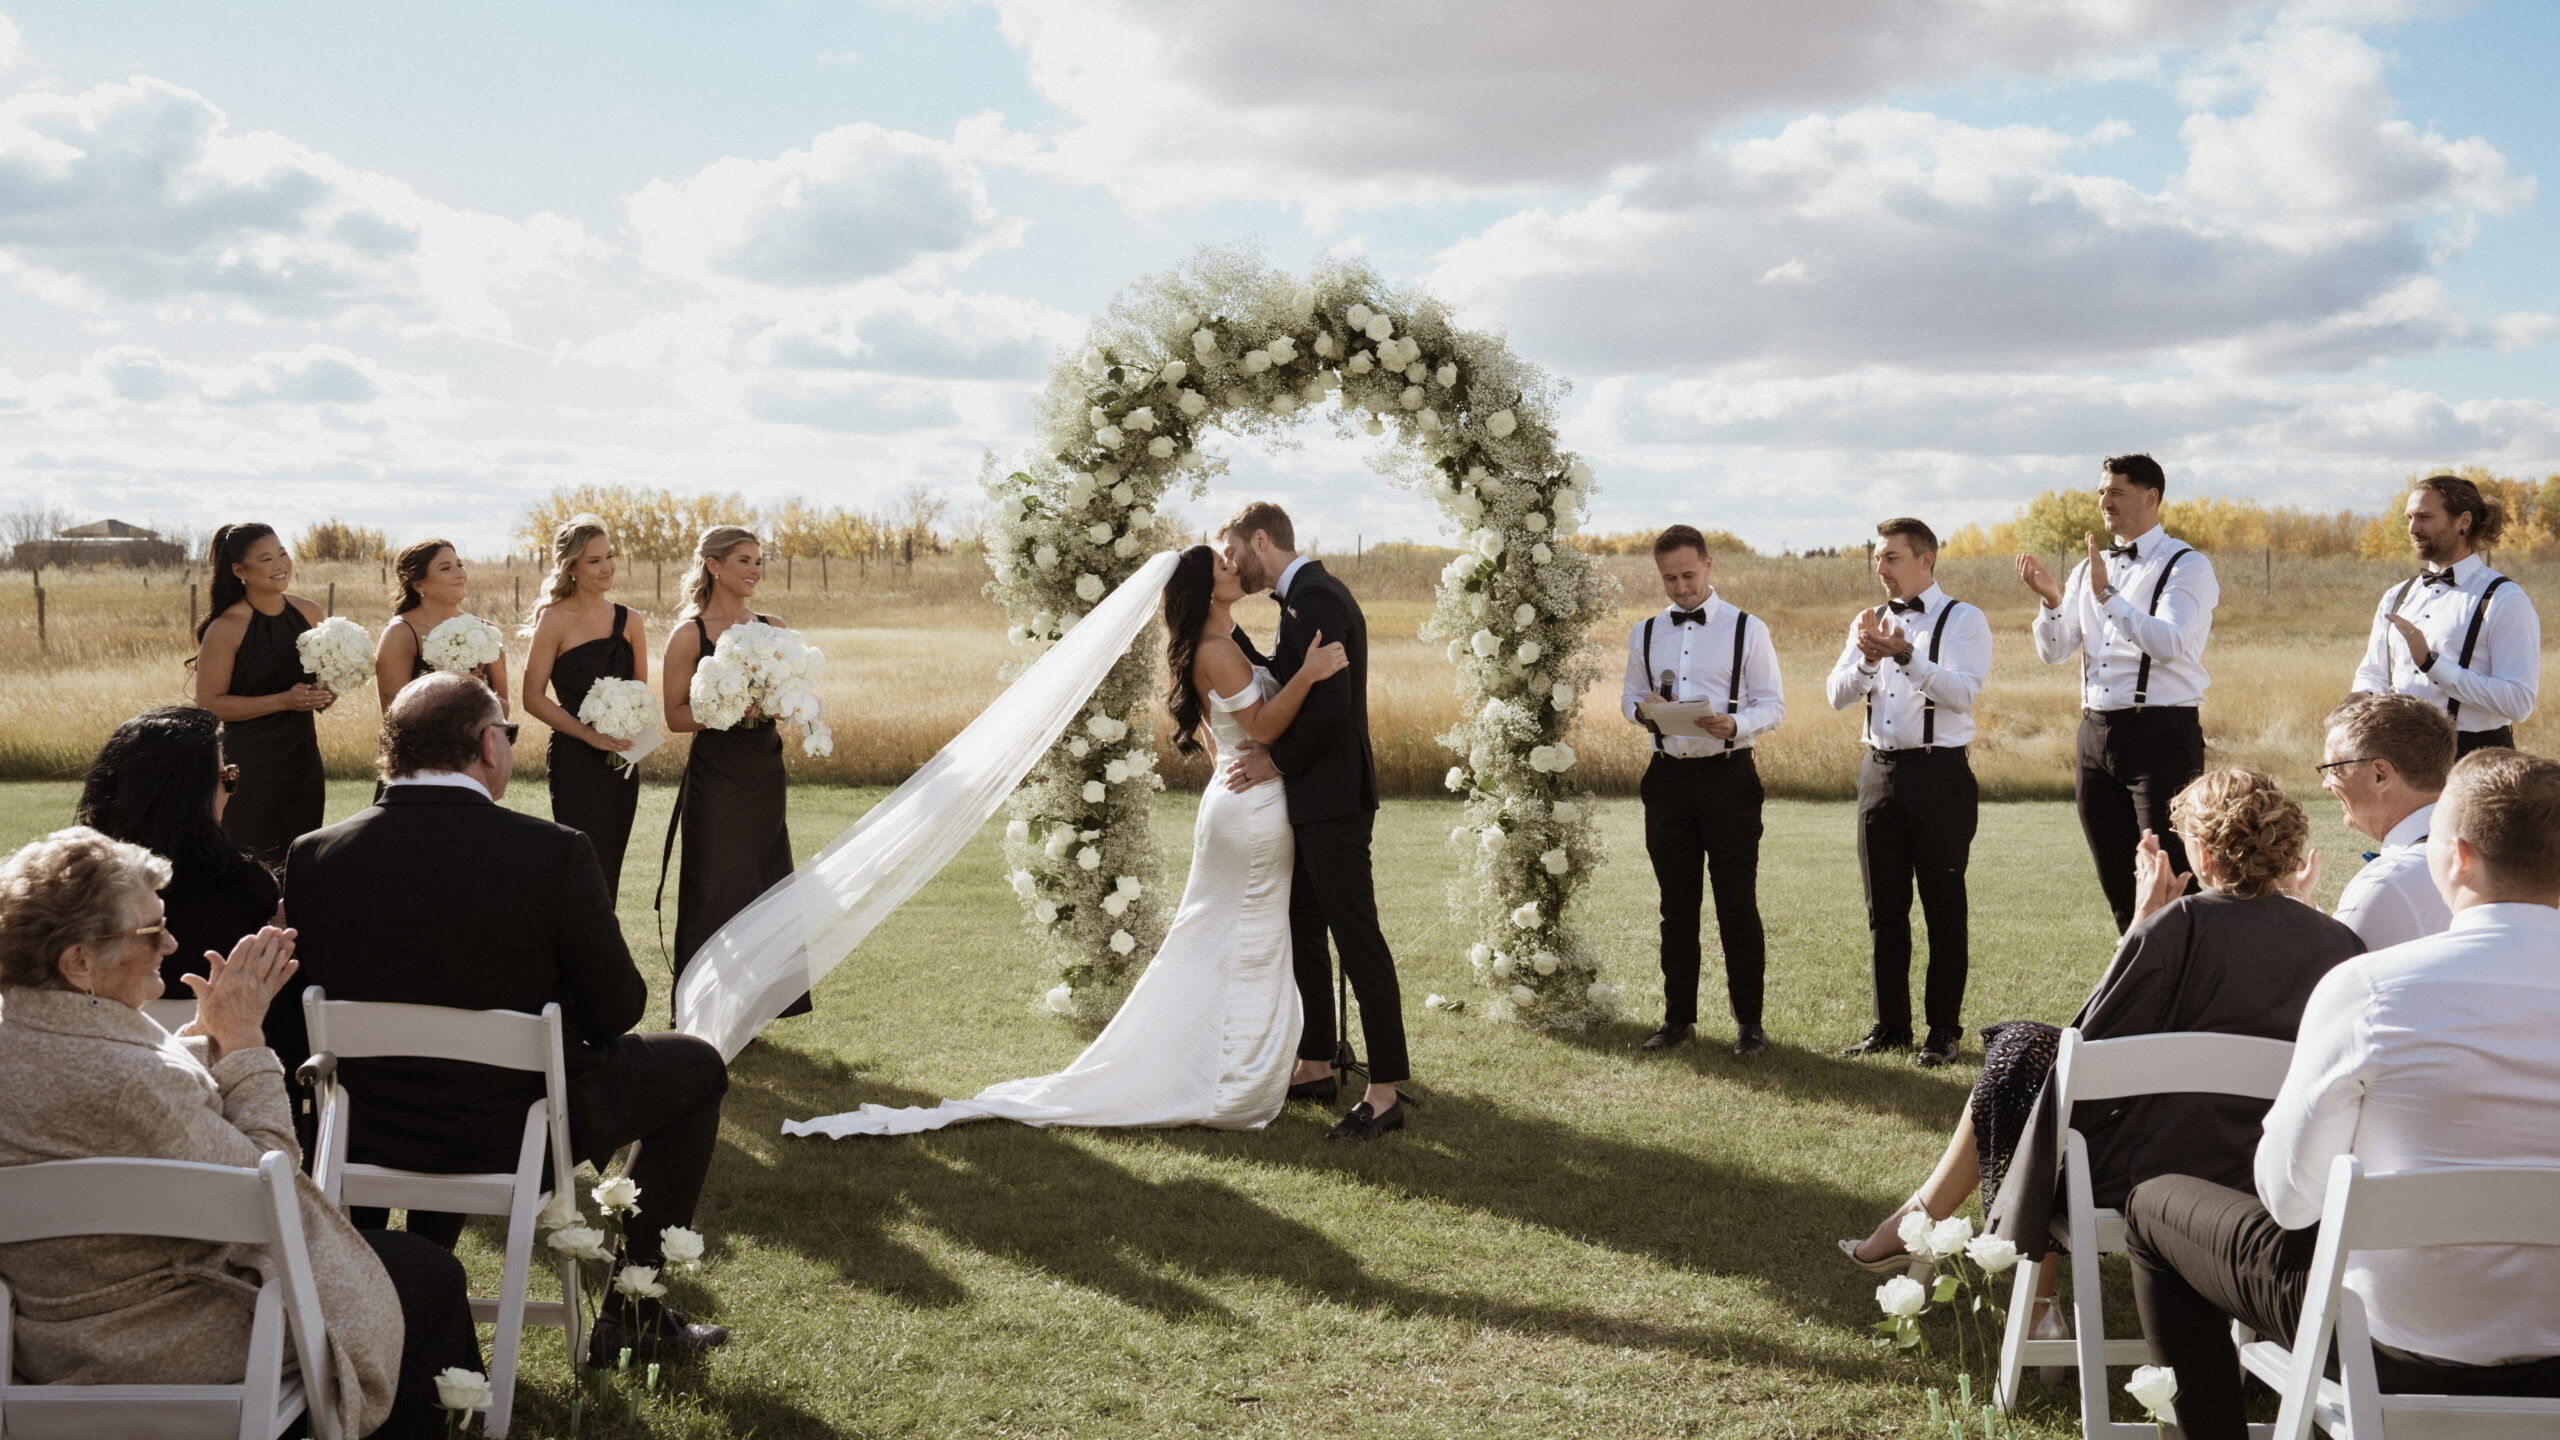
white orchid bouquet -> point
(622, 709)
(339, 652)
(1948, 1247)
(1227, 342)
(758, 674)
(462, 644)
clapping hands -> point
(1876, 635)
(2156, 882)
(2033, 575)
(231, 1001)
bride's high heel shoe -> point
(1918, 1267)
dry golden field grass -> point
(916, 652)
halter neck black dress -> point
(588, 791)
(282, 793)
(737, 838)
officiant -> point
(1702, 676)
(1917, 662)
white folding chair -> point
(173, 1015)
(2185, 1062)
(184, 1201)
(2440, 1205)
(343, 1030)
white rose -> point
(1142, 518)
(1492, 837)
(1457, 651)
(1540, 553)
(2154, 1386)
(1992, 1252)
(1500, 423)
(1487, 644)
(1077, 747)
(1430, 421)
(1530, 650)
(1602, 993)
(1560, 696)
(1109, 437)
(1524, 616)
(1542, 758)
(1489, 543)
(1479, 955)
(617, 1195)
(1129, 885)
(1470, 509)
(1535, 522)
(1902, 1297)
(1099, 533)
(1447, 374)
(1204, 344)
(1079, 492)
(682, 1247)
(1578, 473)
(463, 1390)
(1457, 779)
(1045, 911)
(1024, 885)
(1115, 904)
(1374, 426)
(1283, 350)
(580, 1242)
(1122, 942)
(559, 1211)
(1283, 405)
(1174, 373)
(1379, 327)
(1060, 837)
(1093, 795)
(1184, 322)
(1411, 399)
(1358, 316)
(1191, 403)
(1545, 963)
(1046, 557)
(1097, 417)
(1566, 811)
(1126, 547)
(1088, 587)
(1061, 1000)
(1556, 861)
(1526, 917)
(1093, 362)
(1256, 361)
(1947, 1237)
(1523, 996)
(1360, 363)
(1417, 372)
(640, 1282)
(1564, 756)
(1326, 348)
(1016, 635)
(1160, 448)
(1142, 418)
(1088, 858)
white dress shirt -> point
(2111, 639)
(2437, 1052)
(2500, 684)
(2393, 900)
(1700, 659)
(1901, 696)
(1280, 587)
(454, 778)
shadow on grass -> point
(1053, 1203)
(1888, 1084)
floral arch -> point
(1226, 341)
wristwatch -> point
(1902, 656)
(2106, 593)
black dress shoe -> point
(1667, 1036)
(1365, 1124)
(1323, 1090)
(1880, 1038)
(651, 1332)
(1750, 1041)
(1940, 1049)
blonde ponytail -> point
(567, 544)
(715, 545)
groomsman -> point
(2135, 614)
(1702, 793)
(2458, 635)
(1917, 661)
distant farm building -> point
(100, 542)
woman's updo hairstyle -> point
(715, 546)
(568, 542)
(409, 568)
(2255, 832)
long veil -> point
(803, 927)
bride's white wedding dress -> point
(1209, 1035)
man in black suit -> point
(439, 896)
(1333, 806)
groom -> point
(1333, 805)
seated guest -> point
(2385, 760)
(2436, 1052)
(83, 941)
(439, 896)
(160, 783)
(2239, 957)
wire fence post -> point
(333, 598)
(191, 607)
(42, 643)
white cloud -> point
(859, 203)
(855, 404)
(1347, 103)
(140, 193)
(13, 44)
(314, 384)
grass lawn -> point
(1571, 1239)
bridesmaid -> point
(249, 674)
(737, 843)
(434, 586)
(579, 637)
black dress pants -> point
(2504, 737)
(661, 1089)
(1704, 814)
(1917, 811)
(1332, 892)
(2132, 764)
(435, 1330)
(2205, 1255)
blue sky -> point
(1804, 261)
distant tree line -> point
(2053, 522)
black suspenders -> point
(2142, 676)
(2471, 642)
(1928, 707)
(1733, 691)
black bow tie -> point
(1913, 606)
(2438, 577)
(2126, 551)
(1690, 617)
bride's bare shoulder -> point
(1218, 664)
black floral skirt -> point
(2016, 1058)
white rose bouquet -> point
(462, 644)
(623, 709)
(339, 652)
(766, 669)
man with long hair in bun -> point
(579, 636)
(249, 674)
(2458, 635)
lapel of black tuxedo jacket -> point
(1289, 649)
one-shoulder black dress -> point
(737, 835)
(588, 791)
(282, 793)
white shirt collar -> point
(1709, 609)
(2411, 828)
(451, 778)
(2151, 542)
(2465, 568)
(1280, 587)
(2519, 913)
(1932, 600)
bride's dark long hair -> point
(1186, 610)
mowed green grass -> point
(1571, 1239)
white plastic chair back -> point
(2408, 1209)
(186, 1201)
(2175, 1063)
(172, 1015)
(362, 1030)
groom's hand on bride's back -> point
(1250, 767)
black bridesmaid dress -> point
(282, 792)
(737, 837)
(418, 667)
(588, 791)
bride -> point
(1209, 1034)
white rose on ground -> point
(1098, 532)
(1256, 361)
(1094, 792)
(1992, 1252)
(1379, 327)
(1109, 437)
(1560, 696)
(1447, 374)
(1088, 587)
(1045, 911)
(463, 1390)
(1191, 403)
(1088, 858)
(1061, 1000)
(1411, 399)
(2153, 1387)
(1526, 917)
(1530, 650)
(1556, 861)
(682, 1247)
(1501, 423)
(1486, 644)
(1122, 942)
(640, 1282)
(1174, 373)
(1902, 1297)
(1523, 996)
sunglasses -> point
(2340, 765)
(229, 775)
(507, 728)
(146, 930)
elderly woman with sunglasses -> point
(88, 1074)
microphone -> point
(1665, 691)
